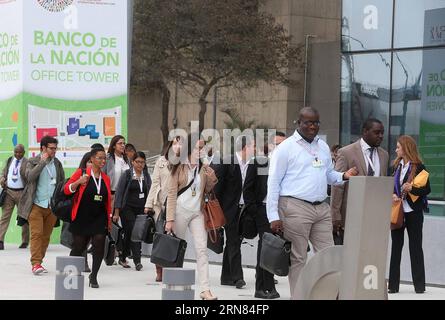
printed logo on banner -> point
(55, 5)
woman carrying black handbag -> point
(185, 211)
(129, 202)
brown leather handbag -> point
(213, 213)
(397, 215)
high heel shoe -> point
(207, 295)
(93, 283)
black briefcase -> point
(275, 254)
(143, 229)
(66, 237)
(215, 240)
(168, 250)
(117, 233)
(2, 197)
(246, 224)
(110, 250)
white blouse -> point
(406, 206)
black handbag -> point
(168, 250)
(275, 254)
(117, 233)
(143, 229)
(110, 250)
(215, 240)
(2, 197)
(66, 237)
(246, 224)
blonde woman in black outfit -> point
(131, 195)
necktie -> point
(370, 170)
(15, 171)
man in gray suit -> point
(369, 159)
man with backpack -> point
(43, 173)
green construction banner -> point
(64, 73)
(432, 125)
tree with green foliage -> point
(199, 44)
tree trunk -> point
(203, 104)
(165, 104)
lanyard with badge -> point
(193, 187)
(15, 171)
(316, 163)
(141, 185)
(98, 196)
(53, 179)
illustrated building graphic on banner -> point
(63, 72)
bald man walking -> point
(13, 180)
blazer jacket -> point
(230, 185)
(121, 196)
(349, 157)
(418, 205)
(79, 192)
(4, 176)
(179, 180)
(159, 185)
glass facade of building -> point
(393, 69)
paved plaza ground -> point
(116, 283)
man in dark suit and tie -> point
(255, 192)
(229, 191)
(370, 160)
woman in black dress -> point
(91, 210)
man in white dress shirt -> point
(13, 180)
(301, 168)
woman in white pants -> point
(186, 210)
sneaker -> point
(44, 270)
(37, 269)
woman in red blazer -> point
(91, 210)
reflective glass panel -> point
(366, 24)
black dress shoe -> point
(420, 291)
(240, 283)
(138, 266)
(227, 283)
(393, 290)
(262, 294)
(265, 294)
(273, 294)
(24, 245)
(2, 246)
(93, 282)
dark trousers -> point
(231, 264)
(128, 217)
(413, 223)
(263, 279)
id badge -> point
(53, 181)
(97, 197)
(141, 195)
(317, 163)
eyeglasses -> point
(309, 123)
(101, 158)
